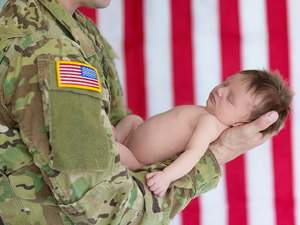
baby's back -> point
(164, 135)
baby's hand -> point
(158, 182)
(114, 132)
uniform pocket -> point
(11, 208)
(80, 133)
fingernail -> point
(272, 116)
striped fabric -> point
(173, 52)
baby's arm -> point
(207, 130)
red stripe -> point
(183, 77)
(231, 64)
(134, 55)
(282, 148)
(69, 65)
(191, 214)
(78, 81)
(91, 13)
(182, 52)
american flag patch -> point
(77, 75)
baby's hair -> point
(275, 94)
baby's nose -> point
(220, 92)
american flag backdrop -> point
(173, 52)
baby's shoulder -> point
(205, 116)
(207, 119)
(197, 109)
(192, 111)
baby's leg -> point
(126, 126)
(127, 158)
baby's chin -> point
(209, 110)
(225, 122)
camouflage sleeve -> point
(118, 109)
(69, 136)
(202, 178)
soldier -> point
(60, 94)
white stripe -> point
(258, 162)
(176, 220)
(66, 66)
(73, 75)
(110, 24)
(65, 73)
(157, 56)
(70, 70)
(254, 34)
(206, 47)
(214, 205)
(207, 63)
(70, 75)
(260, 185)
(294, 27)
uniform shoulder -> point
(21, 18)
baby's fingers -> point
(151, 180)
(160, 192)
(152, 184)
(149, 175)
(154, 188)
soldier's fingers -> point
(261, 123)
(267, 137)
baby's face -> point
(231, 102)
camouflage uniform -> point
(58, 161)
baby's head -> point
(273, 93)
(245, 96)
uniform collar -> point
(77, 31)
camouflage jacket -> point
(58, 162)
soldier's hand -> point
(238, 140)
(158, 182)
